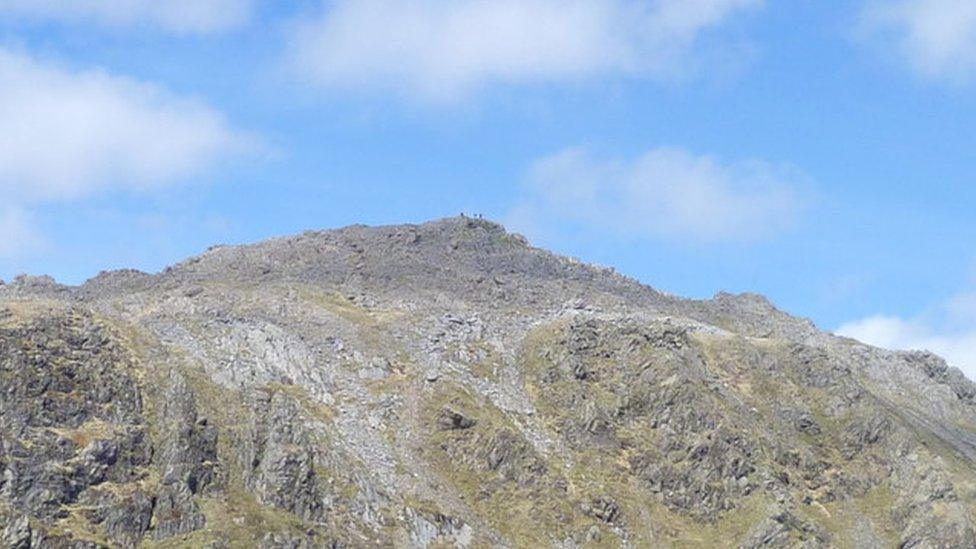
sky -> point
(820, 153)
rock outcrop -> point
(446, 384)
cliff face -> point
(447, 385)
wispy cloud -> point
(666, 193)
(176, 16)
(443, 49)
(17, 233)
(936, 37)
(67, 134)
(949, 331)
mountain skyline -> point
(817, 154)
(447, 384)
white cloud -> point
(949, 332)
(665, 193)
(440, 49)
(178, 16)
(936, 37)
(65, 134)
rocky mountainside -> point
(447, 385)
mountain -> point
(448, 385)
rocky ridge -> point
(446, 384)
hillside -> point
(447, 384)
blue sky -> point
(820, 153)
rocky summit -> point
(448, 385)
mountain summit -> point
(446, 384)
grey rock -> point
(125, 517)
(446, 384)
(175, 512)
(17, 534)
(451, 419)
